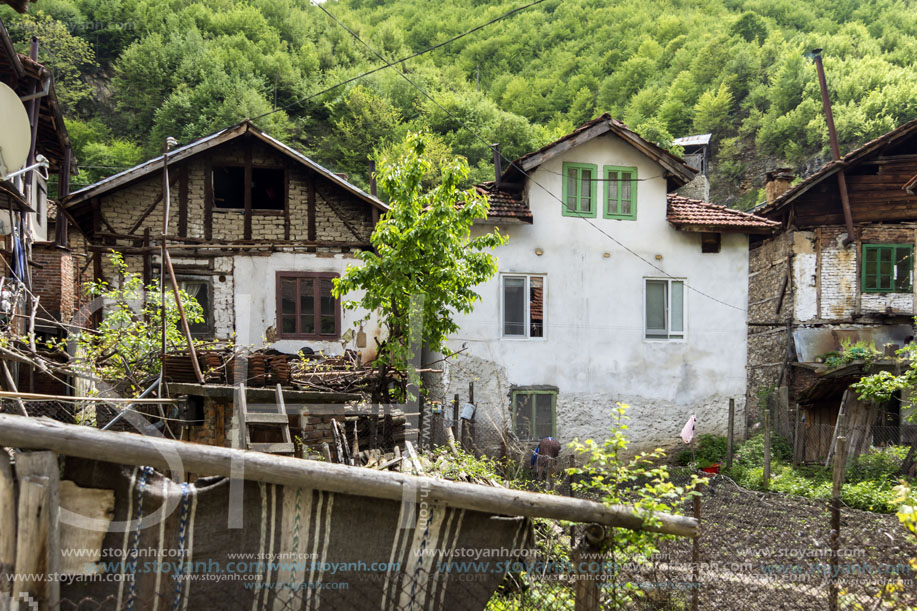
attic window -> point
(710, 242)
(268, 188)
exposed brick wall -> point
(54, 280)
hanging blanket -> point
(217, 544)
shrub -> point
(751, 452)
(877, 464)
(710, 450)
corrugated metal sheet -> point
(699, 139)
(813, 342)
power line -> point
(399, 61)
(524, 173)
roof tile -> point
(685, 212)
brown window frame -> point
(316, 310)
(254, 211)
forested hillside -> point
(134, 71)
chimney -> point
(498, 165)
(372, 177)
(777, 182)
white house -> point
(610, 289)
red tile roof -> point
(504, 204)
(686, 212)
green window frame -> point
(579, 189)
(620, 192)
(887, 268)
(530, 417)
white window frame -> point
(668, 310)
(528, 320)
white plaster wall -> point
(256, 306)
(594, 349)
(804, 275)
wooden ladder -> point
(276, 419)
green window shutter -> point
(579, 187)
(620, 186)
(887, 268)
(534, 413)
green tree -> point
(126, 346)
(68, 57)
(711, 113)
(425, 264)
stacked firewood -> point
(342, 373)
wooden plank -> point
(88, 506)
(134, 449)
(562, 147)
(730, 433)
(37, 535)
(261, 418)
(8, 531)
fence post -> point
(8, 532)
(468, 425)
(37, 535)
(455, 416)
(587, 594)
(695, 561)
(730, 433)
(840, 462)
(420, 417)
(767, 443)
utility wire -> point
(403, 59)
(511, 163)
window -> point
(306, 309)
(534, 413)
(665, 309)
(523, 306)
(201, 290)
(620, 193)
(579, 189)
(887, 268)
(268, 189)
(710, 242)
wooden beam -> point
(286, 202)
(133, 449)
(247, 191)
(310, 201)
(562, 147)
(183, 200)
(208, 201)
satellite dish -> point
(16, 135)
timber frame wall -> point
(319, 217)
(804, 276)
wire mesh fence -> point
(756, 550)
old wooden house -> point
(256, 231)
(835, 274)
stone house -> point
(256, 233)
(833, 274)
(610, 289)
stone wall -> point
(769, 269)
